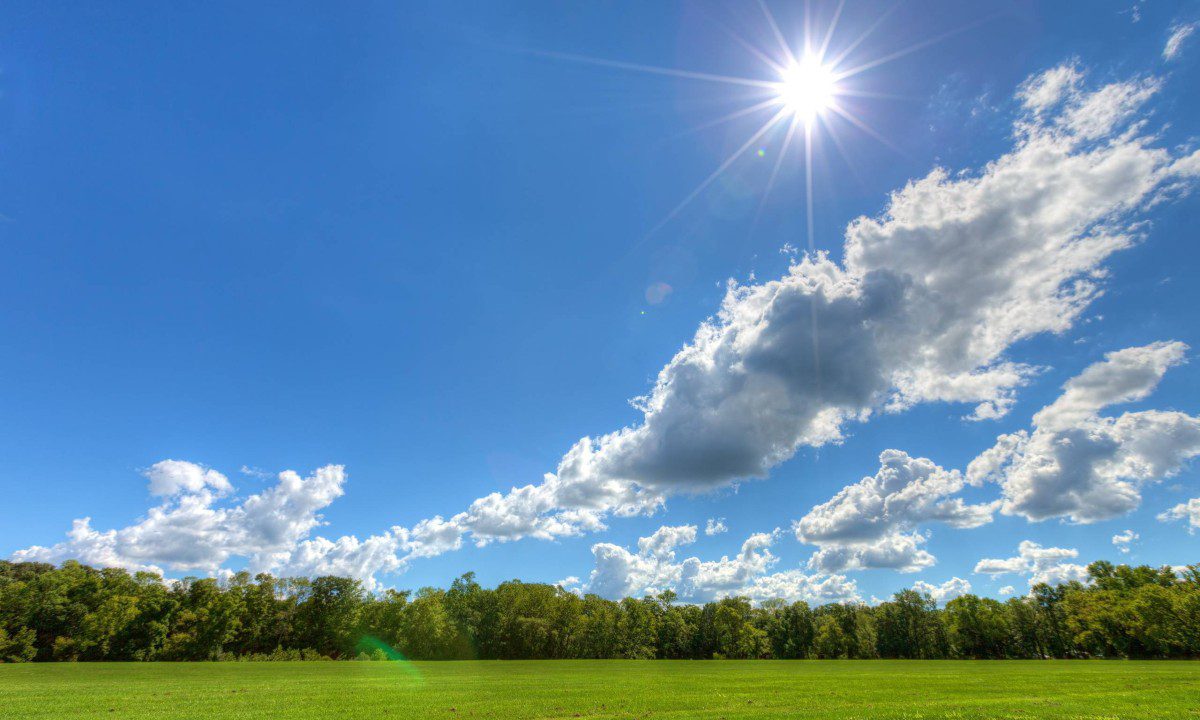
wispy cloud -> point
(1179, 33)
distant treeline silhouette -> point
(75, 612)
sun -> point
(810, 92)
(807, 88)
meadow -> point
(860, 689)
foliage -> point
(75, 612)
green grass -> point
(871, 690)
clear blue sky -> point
(414, 240)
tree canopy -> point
(76, 612)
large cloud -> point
(619, 572)
(874, 523)
(1078, 465)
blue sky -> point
(420, 243)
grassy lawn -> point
(604, 689)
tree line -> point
(76, 612)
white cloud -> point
(347, 557)
(873, 523)
(1179, 33)
(172, 477)
(619, 572)
(1048, 89)
(190, 530)
(947, 591)
(1124, 540)
(796, 586)
(1079, 465)
(1040, 564)
(1007, 590)
(715, 526)
(1189, 511)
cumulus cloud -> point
(874, 523)
(1007, 590)
(1124, 540)
(715, 526)
(947, 591)
(192, 530)
(1179, 33)
(172, 477)
(1189, 511)
(1079, 465)
(1040, 564)
(654, 567)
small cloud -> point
(1135, 12)
(1188, 511)
(1007, 590)
(1179, 33)
(715, 526)
(1123, 541)
(947, 591)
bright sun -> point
(807, 88)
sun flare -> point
(807, 88)
(811, 93)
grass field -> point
(604, 689)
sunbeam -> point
(805, 87)
(720, 169)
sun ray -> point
(808, 186)
(844, 91)
(728, 117)
(783, 44)
(812, 247)
(787, 142)
(844, 74)
(807, 27)
(866, 128)
(829, 33)
(832, 131)
(865, 34)
(766, 59)
(720, 169)
(654, 69)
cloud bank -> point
(653, 568)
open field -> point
(604, 689)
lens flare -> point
(378, 649)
